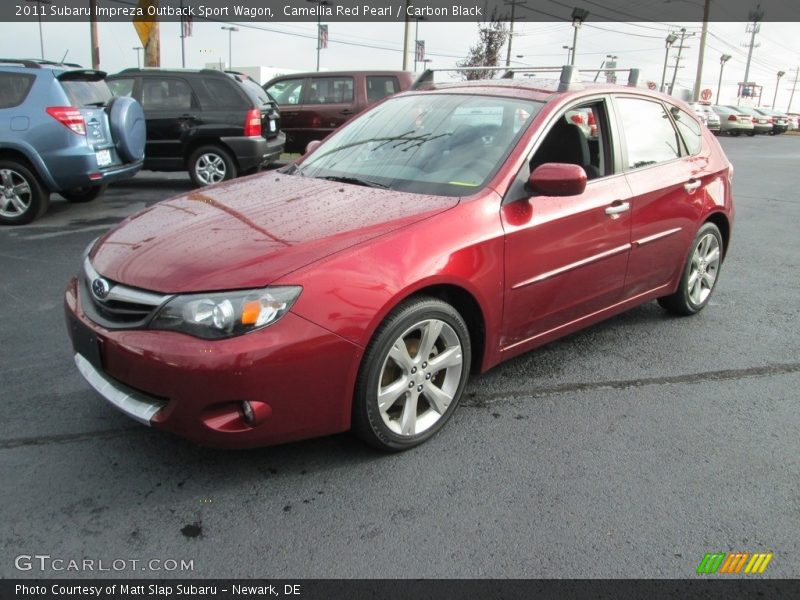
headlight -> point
(225, 314)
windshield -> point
(444, 144)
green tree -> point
(492, 35)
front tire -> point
(83, 194)
(209, 165)
(22, 197)
(412, 375)
(700, 274)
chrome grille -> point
(118, 306)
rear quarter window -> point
(14, 88)
(219, 93)
(689, 129)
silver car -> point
(709, 118)
(733, 121)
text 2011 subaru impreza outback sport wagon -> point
(443, 231)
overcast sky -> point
(379, 46)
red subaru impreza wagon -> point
(443, 231)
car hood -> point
(249, 232)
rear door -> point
(171, 109)
(667, 181)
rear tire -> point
(412, 375)
(83, 194)
(700, 274)
(22, 196)
(734, 133)
(751, 133)
(209, 165)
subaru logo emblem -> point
(100, 288)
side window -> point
(689, 129)
(14, 88)
(380, 86)
(286, 91)
(649, 135)
(218, 93)
(166, 94)
(580, 136)
(121, 87)
(330, 90)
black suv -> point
(215, 125)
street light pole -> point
(321, 3)
(138, 62)
(230, 31)
(722, 60)
(579, 15)
(39, 9)
(669, 41)
(569, 53)
(777, 83)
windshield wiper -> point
(355, 181)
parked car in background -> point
(733, 121)
(215, 125)
(61, 131)
(794, 121)
(779, 120)
(314, 104)
(761, 123)
(440, 233)
(709, 118)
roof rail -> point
(31, 64)
(569, 79)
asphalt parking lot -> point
(629, 449)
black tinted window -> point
(689, 129)
(14, 88)
(221, 93)
(379, 86)
(649, 135)
(166, 94)
(330, 90)
(256, 91)
(85, 93)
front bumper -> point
(301, 375)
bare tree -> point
(492, 35)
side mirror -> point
(311, 146)
(557, 179)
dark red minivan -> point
(314, 104)
(439, 233)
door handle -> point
(618, 207)
(692, 185)
(347, 111)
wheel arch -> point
(31, 162)
(724, 226)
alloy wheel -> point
(210, 168)
(704, 270)
(15, 193)
(420, 377)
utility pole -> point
(699, 77)
(794, 86)
(753, 28)
(670, 39)
(683, 36)
(406, 32)
(93, 34)
(513, 4)
(40, 4)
